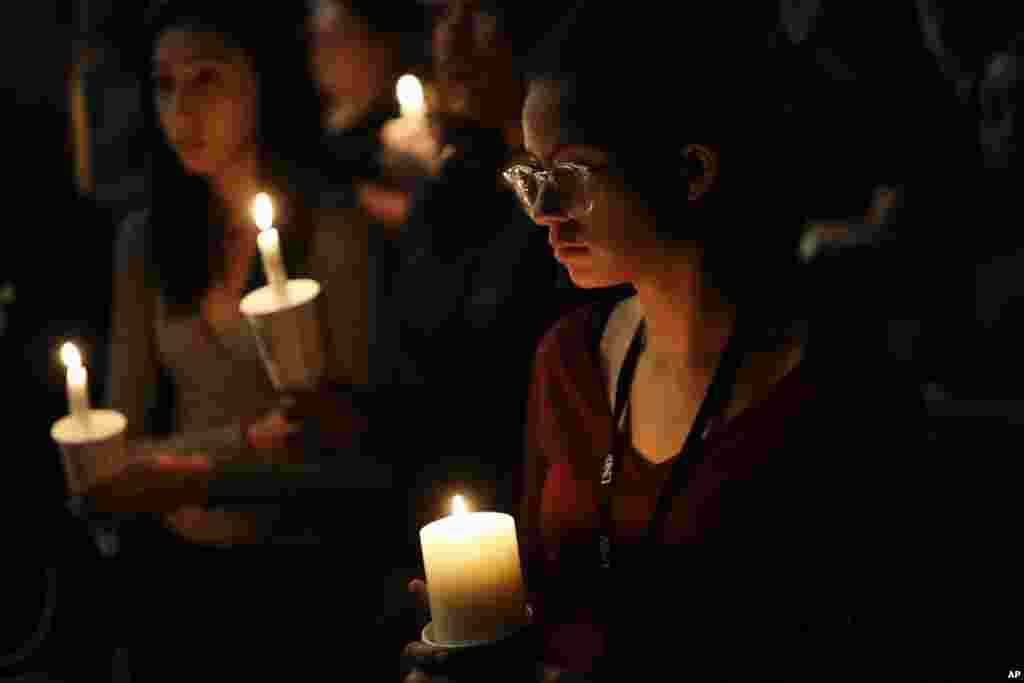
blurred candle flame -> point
(263, 211)
(459, 506)
(410, 95)
(70, 355)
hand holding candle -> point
(91, 441)
(474, 578)
(282, 315)
(269, 242)
(410, 134)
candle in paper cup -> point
(91, 450)
(77, 382)
(288, 333)
(269, 242)
(474, 577)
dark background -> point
(952, 300)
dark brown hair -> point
(644, 86)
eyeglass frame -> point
(545, 174)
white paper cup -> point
(288, 334)
(427, 635)
(92, 449)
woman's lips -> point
(564, 253)
(190, 147)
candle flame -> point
(263, 211)
(70, 355)
(410, 95)
(459, 506)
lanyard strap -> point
(715, 401)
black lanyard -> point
(714, 403)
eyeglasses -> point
(564, 189)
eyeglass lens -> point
(561, 190)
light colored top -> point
(217, 376)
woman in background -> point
(360, 49)
(232, 111)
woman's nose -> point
(548, 208)
(562, 230)
(177, 118)
(181, 103)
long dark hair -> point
(187, 219)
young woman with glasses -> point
(695, 499)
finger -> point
(418, 650)
(418, 587)
(419, 655)
(183, 463)
(418, 676)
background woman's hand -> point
(273, 436)
(332, 413)
(161, 482)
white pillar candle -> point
(77, 382)
(269, 243)
(474, 576)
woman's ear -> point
(701, 164)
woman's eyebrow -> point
(522, 155)
(570, 148)
(212, 56)
(198, 58)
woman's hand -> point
(278, 435)
(513, 659)
(411, 144)
(422, 663)
(273, 437)
(158, 483)
(336, 419)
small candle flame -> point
(263, 211)
(459, 506)
(70, 355)
(410, 95)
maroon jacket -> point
(762, 563)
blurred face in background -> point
(346, 58)
(473, 61)
(206, 98)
